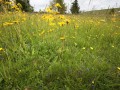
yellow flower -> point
(7, 24)
(91, 48)
(58, 5)
(61, 23)
(118, 68)
(52, 24)
(62, 38)
(93, 82)
(1, 49)
(76, 26)
(113, 46)
(15, 22)
(83, 48)
(62, 17)
(24, 19)
(67, 21)
(49, 10)
(8, 2)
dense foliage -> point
(25, 5)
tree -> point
(75, 7)
(61, 9)
(25, 5)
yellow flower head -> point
(58, 5)
(61, 23)
(8, 24)
(62, 38)
(91, 48)
(118, 68)
(83, 48)
(1, 49)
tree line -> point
(28, 8)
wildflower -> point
(102, 34)
(49, 10)
(61, 23)
(83, 48)
(62, 17)
(1, 49)
(15, 22)
(52, 24)
(67, 21)
(112, 46)
(91, 48)
(7, 24)
(62, 38)
(24, 19)
(8, 3)
(76, 26)
(58, 5)
(20, 70)
(93, 82)
(118, 68)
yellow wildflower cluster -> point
(48, 17)
(49, 10)
(10, 23)
(15, 7)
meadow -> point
(59, 52)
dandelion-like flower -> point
(91, 48)
(62, 38)
(83, 48)
(118, 68)
(1, 49)
(61, 23)
(58, 5)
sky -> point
(84, 4)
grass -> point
(56, 52)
